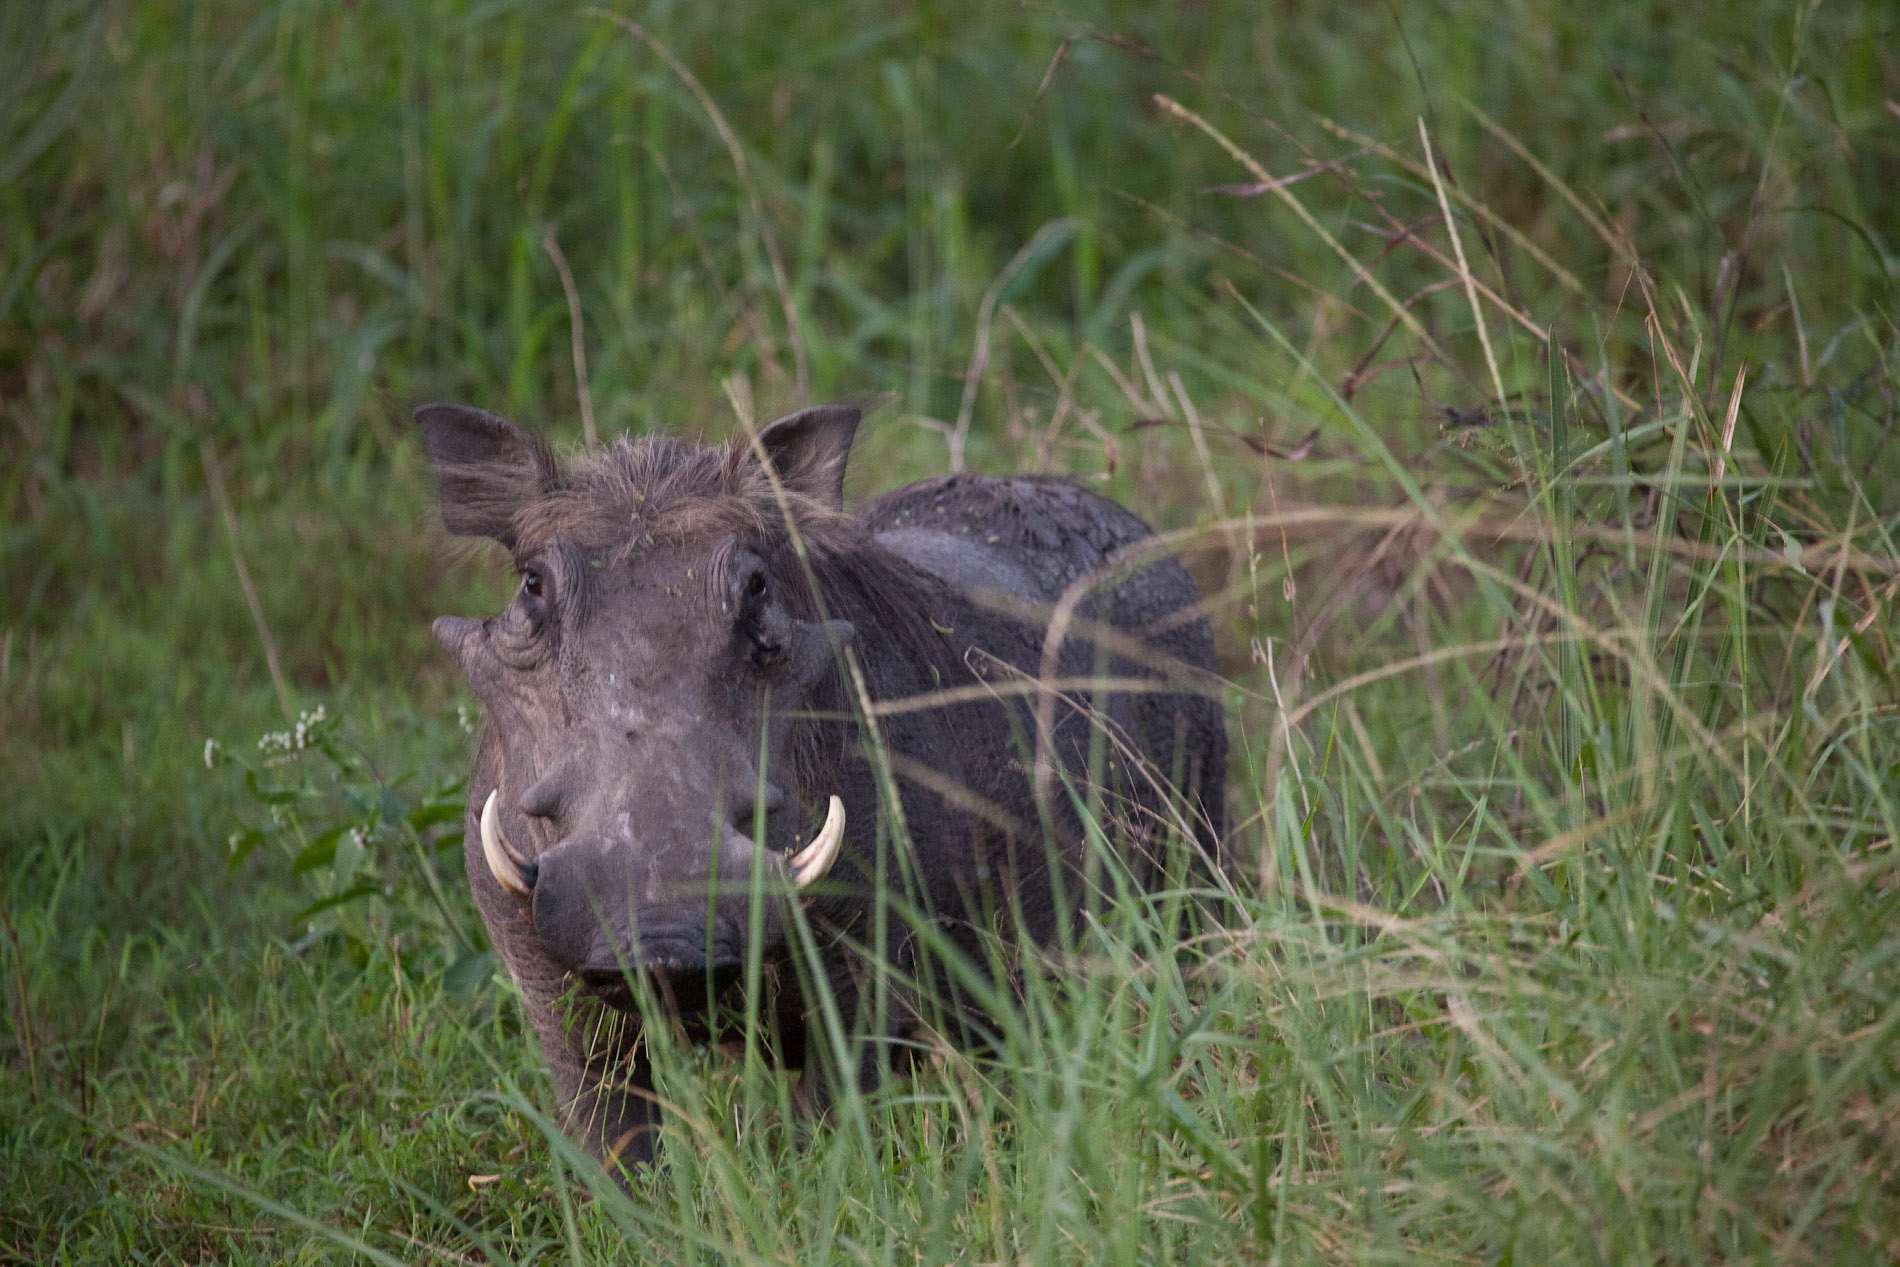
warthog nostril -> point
(545, 795)
(745, 807)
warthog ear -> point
(809, 448)
(485, 469)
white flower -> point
(306, 722)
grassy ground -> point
(1546, 482)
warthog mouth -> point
(669, 951)
(683, 986)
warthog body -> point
(686, 669)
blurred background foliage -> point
(238, 242)
(273, 229)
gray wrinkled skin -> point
(675, 678)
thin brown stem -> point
(214, 482)
(588, 431)
(780, 279)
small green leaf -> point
(349, 855)
(391, 807)
(429, 813)
(1790, 550)
(467, 975)
(320, 852)
(335, 900)
(267, 795)
(242, 843)
(1871, 657)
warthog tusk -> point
(513, 872)
(810, 863)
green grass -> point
(1566, 785)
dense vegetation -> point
(1545, 482)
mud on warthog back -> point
(704, 671)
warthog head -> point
(645, 683)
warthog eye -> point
(531, 583)
(755, 586)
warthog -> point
(716, 699)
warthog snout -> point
(590, 924)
